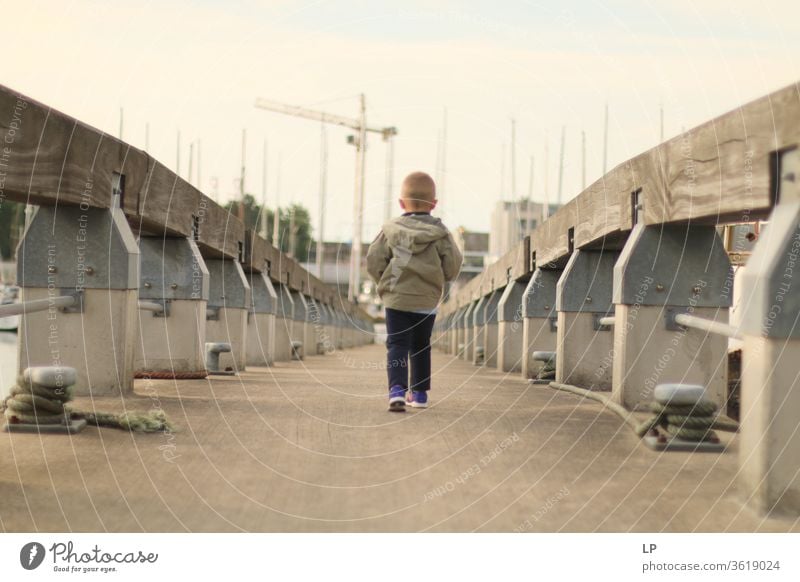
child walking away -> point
(410, 260)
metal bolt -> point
(51, 269)
(588, 299)
(89, 270)
(174, 286)
(696, 290)
(147, 285)
(659, 287)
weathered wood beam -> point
(50, 158)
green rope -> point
(153, 421)
(692, 422)
(547, 371)
(31, 403)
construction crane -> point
(359, 140)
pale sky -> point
(198, 66)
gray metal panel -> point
(322, 312)
(587, 282)
(539, 299)
(264, 298)
(68, 247)
(330, 318)
(300, 312)
(228, 286)
(510, 308)
(478, 315)
(742, 238)
(172, 268)
(316, 313)
(327, 314)
(492, 304)
(770, 290)
(341, 318)
(466, 320)
(770, 293)
(285, 301)
(669, 264)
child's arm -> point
(378, 257)
(451, 258)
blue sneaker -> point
(397, 399)
(417, 399)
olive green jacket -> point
(410, 260)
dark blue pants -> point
(409, 342)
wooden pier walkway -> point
(309, 446)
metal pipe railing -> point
(151, 306)
(34, 305)
(708, 325)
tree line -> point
(293, 220)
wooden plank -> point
(720, 171)
(522, 267)
(600, 206)
(52, 158)
(274, 257)
(551, 239)
(254, 251)
(319, 290)
(220, 231)
(165, 204)
(49, 158)
(499, 273)
(297, 279)
(717, 172)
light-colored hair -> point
(419, 190)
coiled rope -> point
(31, 403)
(547, 371)
(690, 422)
(694, 423)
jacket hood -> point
(414, 233)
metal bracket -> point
(117, 190)
(212, 313)
(596, 325)
(661, 443)
(770, 301)
(79, 299)
(165, 304)
(669, 318)
(553, 323)
(67, 427)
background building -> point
(474, 247)
(512, 221)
